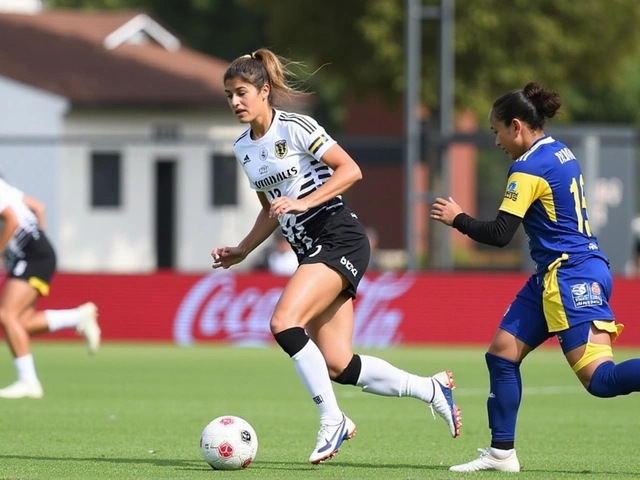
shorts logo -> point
(512, 193)
(281, 148)
(349, 266)
(20, 267)
(318, 248)
(586, 294)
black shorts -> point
(342, 245)
(37, 266)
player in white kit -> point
(299, 174)
(30, 261)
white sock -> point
(312, 370)
(59, 319)
(26, 368)
(500, 454)
(380, 377)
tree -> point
(222, 28)
(499, 45)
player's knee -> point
(350, 374)
(281, 321)
(7, 317)
(601, 380)
(500, 365)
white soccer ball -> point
(228, 443)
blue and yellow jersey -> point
(546, 189)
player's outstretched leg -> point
(379, 377)
(88, 326)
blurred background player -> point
(30, 262)
(280, 259)
(568, 296)
(300, 173)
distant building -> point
(126, 135)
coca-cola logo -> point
(216, 307)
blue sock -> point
(611, 380)
(504, 400)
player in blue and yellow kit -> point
(568, 295)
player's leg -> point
(585, 290)
(522, 329)
(332, 331)
(83, 318)
(592, 360)
(310, 291)
(18, 295)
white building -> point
(126, 135)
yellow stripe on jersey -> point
(40, 285)
(317, 143)
(522, 190)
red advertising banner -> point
(391, 308)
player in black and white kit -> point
(30, 262)
(299, 173)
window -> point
(105, 179)
(224, 185)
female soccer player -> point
(299, 173)
(30, 262)
(568, 296)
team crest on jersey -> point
(281, 148)
(264, 153)
(512, 191)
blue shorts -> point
(564, 301)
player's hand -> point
(283, 205)
(224, 257)
(445, 210)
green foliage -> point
(588, 50)
(499, 45)
(222, 28)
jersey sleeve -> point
(311, 137)
(522, 190)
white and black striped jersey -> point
(28, 228)
(286, 161)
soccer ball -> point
(228, 443)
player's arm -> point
(38, 209)
(498, 232)
(11, 223)
(262, 229)
(522, 190)
(225, 257)
(346, 172)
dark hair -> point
(533, 105)
(262, 67)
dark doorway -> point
(165, 213)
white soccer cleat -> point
(442, 401)
(22, 389)
(88, 326)
(330, 437)
(487, 461)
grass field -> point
(136, 411)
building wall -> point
(29, 115)
(123, 239)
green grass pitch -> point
(136, 412)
